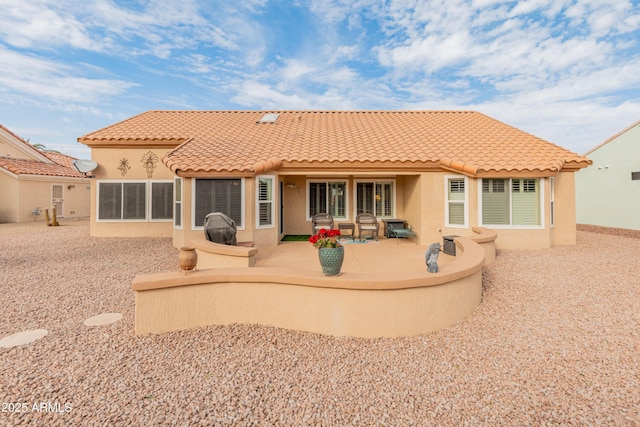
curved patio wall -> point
(352, 304)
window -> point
(134, 201)
(552, 203)
(376, 198)
(264, 203)
(177, 214)
(456, 206)
(218, 195)
(161, 200)
(511, 202)
(328, 197)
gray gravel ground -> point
(555, 342)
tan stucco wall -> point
(9, 205)
(108, 160)
(564, 232)
(23, 194)
(361, 305)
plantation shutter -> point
(525, 202)
(365, 197)
(384, 199)
(317, 198)
(495, 202)
(456, 198)
(265, 200)
(337, 199)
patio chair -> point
(321, 220)
(369, 223)
(404, 232)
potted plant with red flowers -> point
(330, 251)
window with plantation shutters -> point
(495, 202)
(218, 195)
(514, 202)
(456, 201)
(525, 202)
(327, 197)
(265, 203)
(376, 198)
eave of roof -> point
(235, 142)
(31, 167)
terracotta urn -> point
(188, 258)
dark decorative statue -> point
(431, 257)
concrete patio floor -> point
(385, 255)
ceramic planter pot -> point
(331, 260)
(188, 259)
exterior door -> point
(57, 200)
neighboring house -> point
(608, 193)
(32, 181)
(444, 172)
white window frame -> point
(374, 182)
(328, 181)
(465, 202)
(510, 225)
(271, 201)
(148, 189)
(149, 196)
(177, 204)
(193, 202)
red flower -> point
(325, 239)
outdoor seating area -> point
(384, 289)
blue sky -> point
(567, 71)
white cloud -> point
(37, 77)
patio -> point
(383, 290)
(381, 257)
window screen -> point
(218, 195)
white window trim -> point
(175, 202)
(193, 202)
(466, 201)
(511, 226)
(376, 181)
(122, 181)
(149, 194)
(272, 201)
(345, 181)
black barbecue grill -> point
(219, 228)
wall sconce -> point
(291, 186)
(69, 187)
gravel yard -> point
(556, 341)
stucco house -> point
(443, 172)
(608, 193)
(32, 181)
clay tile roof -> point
(237, 141)
(33, 167)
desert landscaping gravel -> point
(555, 341)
